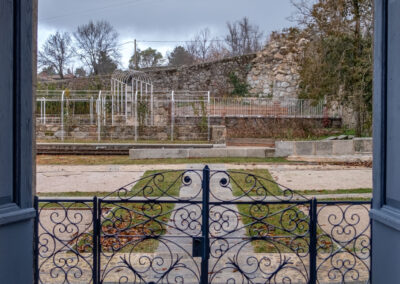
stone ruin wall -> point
(271, 72)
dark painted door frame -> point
(385, 214)
(16, 135)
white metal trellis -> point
(131, 101)
(124, 87)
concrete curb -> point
(228, 152)
(356, 146)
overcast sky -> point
(160, 20)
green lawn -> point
(125, 160)
(122, 141)
(337, 191)
(158, 183)
(243, 183)
(282, 228)
(280, 222)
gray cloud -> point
(161, 19)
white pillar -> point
(126, 102)
(62, 116)
(141, 90)
(151, 106)
(91, 110)
(98, 107)
(208, 115)
(112, 105)
(117, 97)
(172, 115)
(136, 116)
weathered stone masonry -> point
(270, 73)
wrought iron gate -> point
(201, 226)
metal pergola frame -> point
(126, 88)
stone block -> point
(158, 153)
(207, 153)
(80, 134)
(363, 145)
(304, 148)
(342, 147)
(59, 134)
(323, 147)
(237, 152)
(284, 148)
(257, 152)
(218, 134)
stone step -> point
(232, 152)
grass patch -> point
(337, 191)
(275, 224)
(121, 141)
(125, 160)
(244, 183)
(157, 183)
(367, 199)
(280, 228)
(73, 194)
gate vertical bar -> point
(36, 241)
(96, 241)
(313, 241)
(371, 247)
(205, 225)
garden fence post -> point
(96, 241)
(36, 241)
(205, 225)
(313, 241)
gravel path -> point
(110, 177)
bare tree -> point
(303, 14)
(56, 52)
(218, 50)
(201, 45)
(243, 38)
(95, 43)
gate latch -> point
(197, 247)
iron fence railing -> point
(95, 111)
(266, 107)
(202, 226)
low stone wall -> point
(276, 128)
(195, 128)
(356, 146)
(127, 132)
